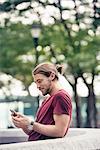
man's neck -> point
(55, 88)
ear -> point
(52, 76)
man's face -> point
(43, 83)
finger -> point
(15, 118)
(20, 115)
(16, 123)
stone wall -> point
(76, 139)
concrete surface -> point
(76, 139)
(12, 136)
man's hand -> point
(21, 121)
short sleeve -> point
(62, 105)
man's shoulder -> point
(62, 92)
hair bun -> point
(59, 68)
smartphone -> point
(13, 112)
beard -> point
(48, 90)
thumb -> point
(20, 115)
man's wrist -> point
(30, 126)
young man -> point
(54, 116)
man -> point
(54, 116)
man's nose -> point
(38, 86)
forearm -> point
(48, 130)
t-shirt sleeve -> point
(62, 105)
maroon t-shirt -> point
(59, 103)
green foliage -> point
(82, 57)
(59, 42)
(54, 35)
(16, 42)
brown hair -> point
(46, 69)
(60, 68)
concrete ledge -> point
(76, 139)
(12, 136)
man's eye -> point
(39, 81)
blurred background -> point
(61, 31)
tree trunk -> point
(78, 111)
(91, 108)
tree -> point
(73, 36)
(16, 52)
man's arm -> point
(57, 130)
